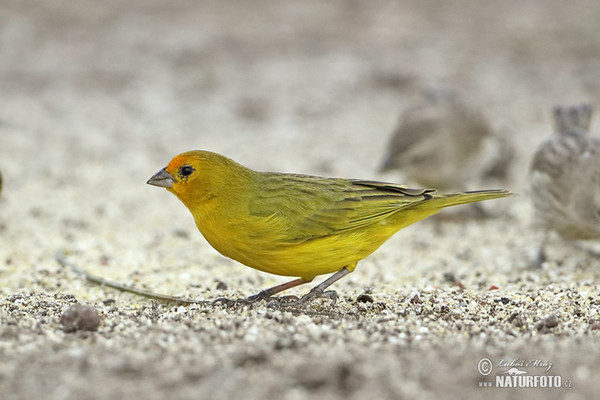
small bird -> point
(565, 178)
(296, 225)
(444, 143)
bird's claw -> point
(285, 301)
(264, 295)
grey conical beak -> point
(162, 179)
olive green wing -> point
(365, 203)
(306, 207)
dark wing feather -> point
(308, 207)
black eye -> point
(186, 170)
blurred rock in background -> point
(447, 144)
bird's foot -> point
(264, 295)
(272, 301)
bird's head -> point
(196, 177)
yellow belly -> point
(306, 260)
(310, 258)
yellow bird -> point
(296, 225)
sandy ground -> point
(97, 96)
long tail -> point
(454, 199)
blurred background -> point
(312, 87)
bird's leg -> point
(319, 290)
(267, 294)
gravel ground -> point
(98, 96)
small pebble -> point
(550, 321)
(221, 285)
(503, 300)
(80, 318)
(416, 299)
(364, 298)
